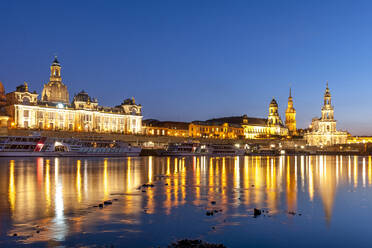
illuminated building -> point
(323, 130)
(215, 128)
(290, 116)
(54, 111)
(241, 127)
(274, 122)
(165, 128)
(273, 118)
(359, 139)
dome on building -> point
(55, 91)
(83, 96)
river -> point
(306, 201)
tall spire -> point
(290, 92)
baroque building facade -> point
(234, 127)
(322, 131)
(290, 115)
(54, 111)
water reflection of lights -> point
(60, 227)
(355, 171)
(105, 180)
(364, 172)
(150, 170)
(47, 185)
(311, 179)
(12, 190)
(78, 180)
(369, 170)
(277, 184)
(349, 169)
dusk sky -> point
(195, 60)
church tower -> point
(273, 118)
(290, 115)
(327, 122)
(55, 91)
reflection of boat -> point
(35, 146)
(194, 149)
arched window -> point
(26, 101)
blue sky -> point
(194, 60)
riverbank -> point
(153, 145)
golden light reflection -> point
(150, 170)
(129, 181)
(276, 183)
(47, 185)
(12, 189)
(78, 180)
(369, 170)
(105, 180)
(355, 171)
(311, 179)
(349, 170)
(364, 172)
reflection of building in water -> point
(54, 111)
(326, 180)
(267, 182)
(323, 131)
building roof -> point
(55, 61)
(239, 120)
(273, 102)
(166, 124)
(83, 96)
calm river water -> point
(308, 201)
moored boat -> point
(196, 149)
(38, 146)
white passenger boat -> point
(225, 150)
(182, 149)
(36, 146)
(195, 149)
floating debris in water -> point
(209, 213)
(148, 185)
(256, 212)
